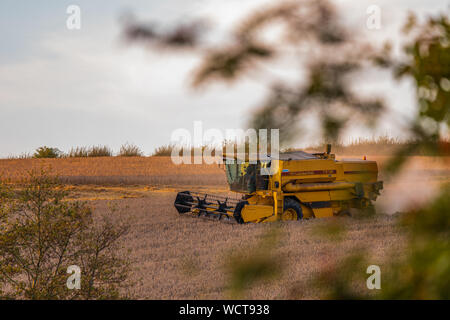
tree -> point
(42, 234)
(46, 152)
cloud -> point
(85, 88)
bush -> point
(130, 150)
(78, 152)
(100, 151)
(41, 235)
(46, 152)
(94, 151)
(163, 151)
(166, 150)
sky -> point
(66, 88)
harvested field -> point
(160, 171)
(116, 170)
(179, 257)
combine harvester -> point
(301, 186)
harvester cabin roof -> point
(284, 156)
(295, 155)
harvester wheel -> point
(237, 211)
(291, 210)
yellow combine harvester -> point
(300, 185)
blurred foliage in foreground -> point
(428, 64)
(310, 36)
(258, 264)
(422, 271)
(330, 58)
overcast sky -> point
(65, 88)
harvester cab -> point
(292, 186)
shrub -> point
(94, 151)
(166, 150)
(78, 152)
(100, 151)
(46, 152)
(163, 151)
(130, 150)
(41, 235)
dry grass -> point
(116, 170)
(385, 146)
(179, 257)
(160, 171)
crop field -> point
(157, 171)
(160, 171)
(179, 257)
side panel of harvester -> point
(297, 176)
(325, 187)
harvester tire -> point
(293, 205)
(237, 212)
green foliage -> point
(344, 280)
(425, 271)
(429, 65)
(326, 91)
(250, 266)
(228, 64)
(130, 150)
(46, 152)
(329, 67)
(42, 234)
(422, 272)
(333, 230)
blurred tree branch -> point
(329, 57)
(327, 53)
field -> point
(178, 257)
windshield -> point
(245, 177)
